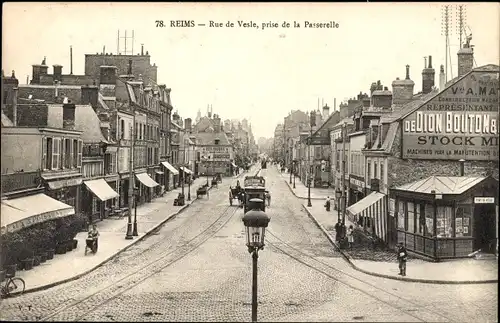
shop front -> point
(170, 172)
(187, 174)
(447, 217)
(95, 196)
(370, 213)
(146, 185)
(66, 190)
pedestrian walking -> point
(338, 231)
(230, 196)
(350, 236)
(327, 204)
(402, 257)
(268, 198)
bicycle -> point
(14, 286)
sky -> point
(253, 73)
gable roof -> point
(442, 185)
(332, 120)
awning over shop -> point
(101, 189)
(362, 205)
(29, 210)
(55, 185)
(145, 179)
(234, 165)
(170, 168)
(159, 172)
(186, 170)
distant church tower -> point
(198, 116)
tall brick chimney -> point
(38, 70)
(402, 90)
(428, 75)
(108, 75)
(217, 123)
(441, 78)
(69, 116)
(465, 60)
(188, 125)
(90, 95)
(57, 72)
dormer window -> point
(217, 141)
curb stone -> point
(414, 280)
(153, 229)
(300, 197)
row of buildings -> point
(421, 168)
(89, 140)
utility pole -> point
(131, 180)
(446, 31)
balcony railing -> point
(20, 181)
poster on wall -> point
(392, 206)
(458, 226)
(459, 123)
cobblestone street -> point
(171, 277)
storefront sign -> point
(459, 123)
(359, 185)
(484, 200)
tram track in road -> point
(80, 308)
(397, 302)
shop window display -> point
(463, 221)
(411, 217)
(444, 222)
(401, 216)
(429, 220)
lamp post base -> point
(134, 233)
(129, 235)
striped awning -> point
(365, 203)
(101, 189)
(170, 168)
(26, 211)
(145, 179)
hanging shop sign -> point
(459, 123)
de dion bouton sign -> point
(459, 123)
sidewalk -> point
(74, 264)
(457, 271)
(300, 189)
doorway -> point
(485, 227)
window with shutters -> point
(75, 153)
(56, 148)
(375, 169)
(122, 129)
(44, 153)
(80, 155)
(68, 153)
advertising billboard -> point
(459, 123)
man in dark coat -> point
(402, 257)
(338, 231)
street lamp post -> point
(309, 175)
(294, 169)
(338, 195)
(255, 222)
(189, 187)
(182, 176)
(136, 192)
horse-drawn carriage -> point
(202, 190)
(216, 180)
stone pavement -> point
(74, 264)
(455, 271)
(300, 189)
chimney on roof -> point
(465, 60)
(326, 112)
(69, 116)
(402, 90)
(441, 78)
(142, 49)
(15, 92)
(71, 60)
(428, 74)
(188, 125)
(382, 98)
(90, 95)
(38, 71)
(129, 70)
(217, 123)
(57, 72)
